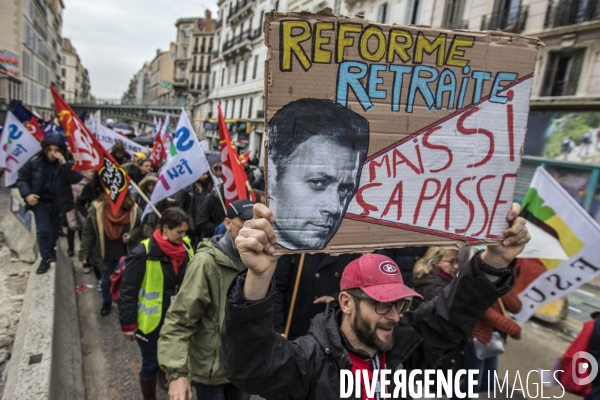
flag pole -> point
(143, 196)
(294, 294)
(218, 191)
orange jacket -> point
(493, 319)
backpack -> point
(116, 279)
(569, 365)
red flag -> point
(244, 158)
(90, 154)
(158, 154)
(235, 181)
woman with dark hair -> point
(107, 237)
(153, 274)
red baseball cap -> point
(378, 276)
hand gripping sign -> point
(386, 136)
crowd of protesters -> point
(183, 282)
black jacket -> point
(189, 199)
(134, 276)
(31, 181)
(258, 360)
(428, 286)
(321, 276)
(209, 214)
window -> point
(201, 63)
(413, 12)
(225, 111)
(562, 72)
(453, 14)
(27, 64)
(63, 72)
(222, 76)
(233, 109)
(182, 73)
(337, 7)
(276, 6)
(250, 108)
(193, 82)
(241, 108)
(185, 51)
(255, 67)
(382, 13)
(237, 70)
(228, 75)
(245, 71)
(214, 77)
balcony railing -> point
(239, 5)
(462, 24)
(511, 20)
(571, 12)
(247, 35)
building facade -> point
(195, 40)
(139, 86)
(75, 80)
(160, 89)
(30, 34)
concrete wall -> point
(46, 358)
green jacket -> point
(92, 239)
(190, 337)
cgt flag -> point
(158, 153)
(235, 181)
(89, 154)
(17, 146)
(551, 208)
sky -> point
(115, 37)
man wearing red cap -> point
(368, 328)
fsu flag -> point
(90, 154)
(235, 182)
(30, 121)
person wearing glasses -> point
(433, 272)
(369, 326)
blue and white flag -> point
(17, 146)
(184, 167)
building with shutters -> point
(30, 45)
(75, 81)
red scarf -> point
(359, 363)
(176, 252)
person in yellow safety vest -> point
(153, 274)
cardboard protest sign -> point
(386, 136)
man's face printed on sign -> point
(316, 151)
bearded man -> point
(368, 328)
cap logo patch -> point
(388, 268)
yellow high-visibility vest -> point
(150, 297)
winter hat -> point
(54, 139)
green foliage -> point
(570, 124)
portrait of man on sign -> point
(316, 152)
